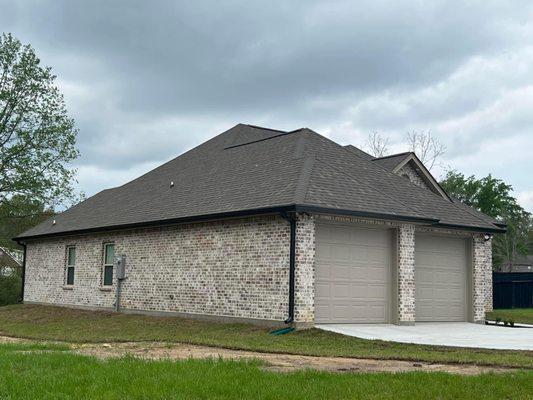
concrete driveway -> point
(458, 334)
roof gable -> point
(396, 162)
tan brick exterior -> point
(488, 275)
(408, 171)
(406, 274)
(304, 308)
(234, 268)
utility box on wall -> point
(120, 264)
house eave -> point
(259, 211)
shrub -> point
(10, 289)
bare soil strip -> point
(274, 362)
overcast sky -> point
(146, 81)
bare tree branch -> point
(426, 146)
(377, 145)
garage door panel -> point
(368, 313)
(339, 252)
(322, 290)
(435, 260)
(440, 278)
(353, 289)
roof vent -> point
(54, 222)
(171, 183)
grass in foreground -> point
(58, 323)
(59, 375)
(518, 315)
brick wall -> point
(304, 309)
(488, 275)
(413, 176)
(236, 268)
(406, 274)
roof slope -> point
(390, 162)
(359, 152)
(252, 168)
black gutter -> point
(233, 214)
(260, 211)
(364, 214)
(472, 228)
(23, 270)
(291, 219)
(170, 221)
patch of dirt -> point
(7, 339)
(274, 362)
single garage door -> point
(353, 274)
(441, 278)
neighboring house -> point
(522, 264)
(10, 261)
(266, 226)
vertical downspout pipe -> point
(291, 218)
(23, 270)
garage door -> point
(353, 274)
(441, 278)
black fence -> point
(512, 289)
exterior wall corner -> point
(304, 307)
(405, 248)
(481, 282)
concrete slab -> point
(455, 334)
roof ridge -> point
(262, 139)
(392, 155)
(347, 146)
(265, 128)
(300, 192)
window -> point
(109, 258)
(71, 262)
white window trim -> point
(104, 265)
(67, 265)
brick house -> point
(270, 226)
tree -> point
(426, 146)
(493, 197)
(37, 138)
(377, 145)
(18, 215)
(515, 241)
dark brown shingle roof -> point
(390, 162)
(252, 168)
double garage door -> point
(354, 275)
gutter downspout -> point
(291, 219)
(23, 270)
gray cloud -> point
(146, 81)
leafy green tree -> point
(10, 289)
(18, 215)
(37, 138)
(493, 197)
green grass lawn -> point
(518, 315)
(27, 372)
(57, 323)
